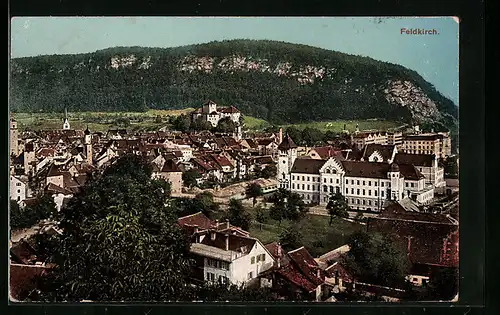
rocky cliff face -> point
(280, 82)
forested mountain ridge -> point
(276, 81)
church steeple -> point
(66, 125)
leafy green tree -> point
(190, 177)
(269, 171)
(295, 134)
(205, 203)
(291, 238)
(337, 207)
(181, 123)
(226, 125)
(237, 215)
(375, 258)
(119, 242)
(253, 190)
(199, 124)
(231, 292)
(260, 214)
(287, 205)
(311, 136)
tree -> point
(189, 178)
(375, 258)
(200, 124)
(181, 123)
(253, 190)
(295, 134)
(269, 171)
(287, 205)
(205, 203)
(290, 238)
(119, 242)
(237, 215)
(43, 208)
(226, 125)
(260, 215)
(337, 207)
(232, 292)
(311, 136)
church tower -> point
(87, 142)
(286, 158)
(66, 122)
(14, 147)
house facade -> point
(210, 113)
(18, 189)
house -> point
(325, 152)
(379, 153)
(224, 252)
(295, 274)
(438, 144)
(18, 189)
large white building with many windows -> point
(367, 185)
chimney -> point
(318, 273)
(212, 235)
(281, 135)
(227, 224)
(217, 224)
(195, 229)
(227, 241)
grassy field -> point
(350, 125)
(155, 119)
(318, 236)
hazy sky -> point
(435, 57)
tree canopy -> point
(374, 258)
(337, 206)
(253, 190)
(119, 242)
(237, 215)
(287, 205)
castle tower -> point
(66, 122)
(286, 158)
(29, 157)
(87, 142)
(14, 146)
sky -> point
(433, 56)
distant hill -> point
(276, 81)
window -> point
(364, 183)
(352, 181)
(357, 182)
(293, 177)
(18, 184)
(382, 184)
(331, 180)
(369, 202)
(293, 186)
(369, 183)
(307, 197)
(363, 192)
(352, 191)
(337, 181)
(303, 186)
(375, 193)
(252, 260)
(308, 187)
(308, 178)
(325, 188)
(347, 190)
(303, 177)
(363, 202)
(19, 191)
(382, 193)
(369, 192)
(357, 191)
(313, 187)
(412, 184)
(250, 275)
(357, 201)
(324, 180)
(347, 181)
(406, 184)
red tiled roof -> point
(294, 275)
(45, 152)
(169, 167)
(52, 188)
(424, 160)
(199, 219)
(337, 268)
(222, 160)
(237, 243)
(22, 252)
(307, 166)
(328, 152)
(307, 265)
(287, 143)
(230, 110)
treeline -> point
(353, 88)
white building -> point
(366, 185)
(230, 258)
(210, 113)
(18, 189)
(428, 165)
